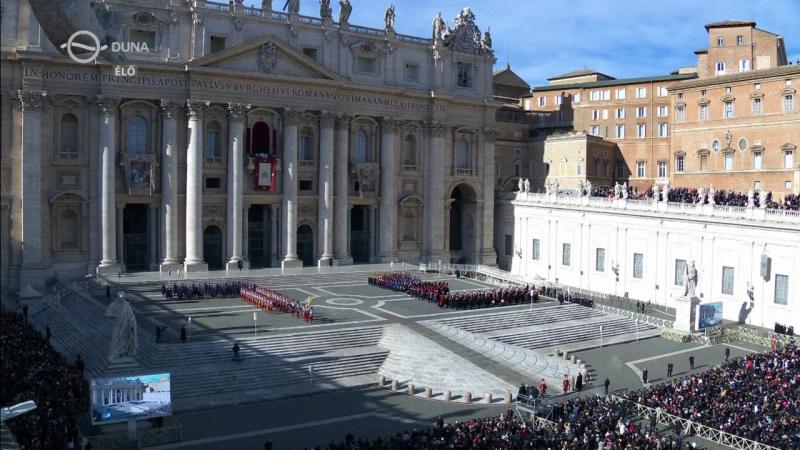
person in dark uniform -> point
(236, 351)
(158, 333)
(691, 361)
(606, 384)
(579, 382)
(644, 376)
(670, 367)
(239, 265)
(727, 353)
(183, 333)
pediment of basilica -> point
(266, 55)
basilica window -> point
(361, 147)
(213, 145)
(566, 254)
(464, 75)
(462, 154)
(409, 226)
(410, 152)
(69, 230)
(680, 272)
(638, 266)
(69, 137)
(781, 289)
(216, 44)
(136, 135)
(306, 146)
(727, 280)
(536, 249)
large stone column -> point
(194, 188)
(434, 193)
(274, 228)
(169, 182)
(236, 113)
(290, 119)
(388, 213)
(32, 273)
(120, 236)
(341, 209)
(325, 190)
(107, 140)
(152, 221)
(372, 220)
(488, 255)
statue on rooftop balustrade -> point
(345, 8)
(325, 9)
(292, 6)
(388, 18)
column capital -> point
(343, 120)
(292, 117)
(327, 118)
(237, 111)
(107, 105)
(196, 108)
(26, 101)
(389, 124)
(490, 133)
(170, 108)
(436, 128)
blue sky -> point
(622, 38)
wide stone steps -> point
(174, 355)
(534, 364)
(559, 336)
(252, 375)
(70, 341)
(516, 319)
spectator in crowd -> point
(31, 369)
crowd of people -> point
(185, 291)
(783, 329)
(565, 296)
(438, 292)
(487, 298)
(33, 370)
(269, 301)
(693, 195)
(593, 423)
(756, 397)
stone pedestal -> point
(291, 264)
(685, 313)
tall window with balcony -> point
(727, 280)
(638, 266)
(720, 68)
(213, 147)
(781, 289)
(600, 260)
(640, 169)
(788, 159)
(679, 163)
(663, 129)
(361, 147)
(410, 153)
(620, 131)
(136, 136)
(703, 112)
(464, 75)
(305, 154)
(641, 130)
(662, 169)
(68, 148)
(463, 157)
(788, 103)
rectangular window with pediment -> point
(412, 72)
(757, 106)
(366, 65)
(464, 75)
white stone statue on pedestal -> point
(625, 190)
(520, 185)
(666, 192)
(701, 194)
(438, 27)
(556, 186)
(711, 194)
(762, 199)
(616, 190)
(656, 193)
(750, 201)
(527, 185)
(588, 188)
(124, 338)
(690, 275)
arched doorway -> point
(462, 224)
(136, 245)
(212, 247)
(305, 245)
(360, 231)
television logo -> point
(89, 48)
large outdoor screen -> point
(119, 399)
(709, 315)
